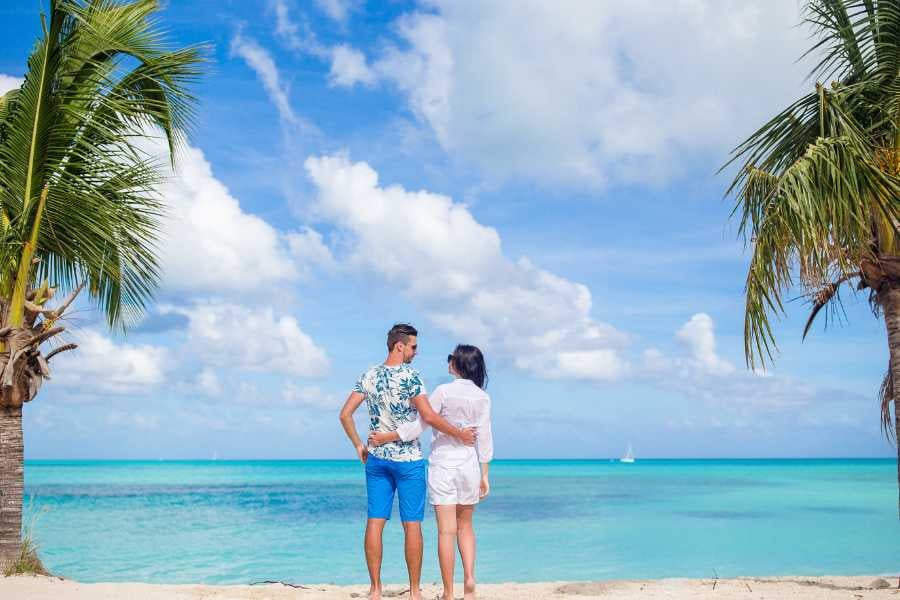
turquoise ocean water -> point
(302, 521)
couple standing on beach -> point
(399, 411)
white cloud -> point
(250, 338)
(348, 67)
(587, 92)
(209, 242)
(737, 395)
(285, 28)
(699, 337)
(434, 250)
(290, 396)
(293, 35)
(259, 59)
(294, 395)
(308, 250)
(208, 383)
(144, 422)
(591, 364)
(102, 365)
(338, 10)
(8, 82)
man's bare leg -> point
(373, 546)
(446, 523)
(413, 533)
(466, 540)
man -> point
(395, 394)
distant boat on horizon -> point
(629, 455)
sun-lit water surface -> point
(245, 521)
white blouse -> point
(463, 404)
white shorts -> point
(455, 483)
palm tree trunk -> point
(12, 481)
(890, 304)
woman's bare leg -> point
(466, 541)
(446, 522)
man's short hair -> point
(399, 333)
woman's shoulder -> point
(443, 388)
(464, 388)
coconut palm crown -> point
(77, 202)
(818, 191)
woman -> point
(457, 474)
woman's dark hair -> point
(468, 362)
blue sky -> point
(534, 178)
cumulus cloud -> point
(453, 266)
(209, 244)
(590, 364)
(698, 335)
(308, 250)
(259, 59)
(698, 360)
(581, 92)
(252, 338)
(348, 67)
(8, 82)
(100, 365)
(740, 397)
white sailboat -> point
(629, 455)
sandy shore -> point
(775, 588)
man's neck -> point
(393, 360)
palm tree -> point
(819, 188)
(77, 203)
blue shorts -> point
(407, 478)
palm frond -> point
(816, 216)
(22, 156)
(102, 77)
(823, 297)
(886, 398)
(846, 41)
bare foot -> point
(446, 596)
(374, 594)
(469, 589)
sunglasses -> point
(449, 358)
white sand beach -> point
(774, 588)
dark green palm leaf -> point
(102, 77)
